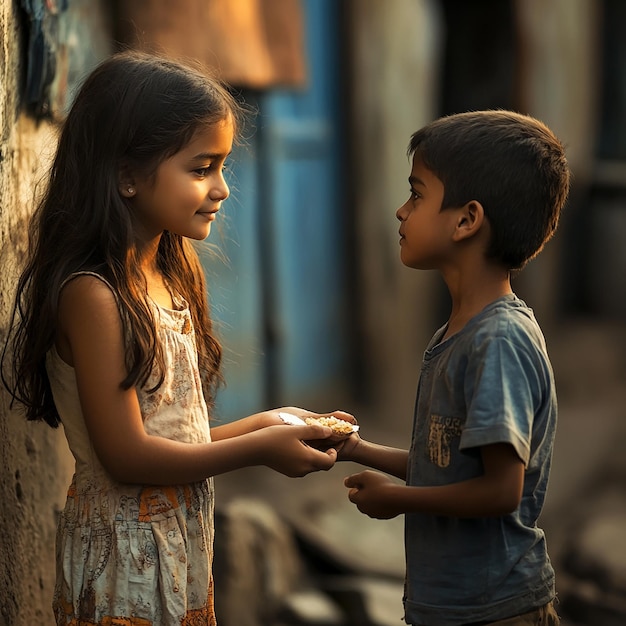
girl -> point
(112, 337)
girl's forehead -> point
(216, 137)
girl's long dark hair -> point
(132, 112)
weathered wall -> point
(34, 462)
(560, 85)
(395, 47)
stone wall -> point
(34, 461)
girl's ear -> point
(126, 184)
(471, 218)
(127, 191)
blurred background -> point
(312, 303)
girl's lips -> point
(209, 215)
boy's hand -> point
(346, 447)
(372, 493)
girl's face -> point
(187, 190)
(425, 230)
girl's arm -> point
(266, 418)
(497, 492)
(243, 426)
(90, 339)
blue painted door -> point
(280, 302)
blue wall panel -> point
(234, 286)
(281, 302)
(306, 149)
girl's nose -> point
(220, 191)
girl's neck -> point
(156, 285)
(159, 291)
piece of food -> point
(341, 429)
(338, 426)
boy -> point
(486, 191)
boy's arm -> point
(497, 492)
(384, 458)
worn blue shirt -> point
(490, 383)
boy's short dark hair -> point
(512, 164)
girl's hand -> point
(283, 449)
(372, 494)
(337, 440)
(304, 413)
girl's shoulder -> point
(83, 292)
(87, 277)
(87, 285)
(88, 315)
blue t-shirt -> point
(490, 383)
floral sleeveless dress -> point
(137, 555)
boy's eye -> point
(413, 194)
(202, 171)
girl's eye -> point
(205, 171)
(413, 194)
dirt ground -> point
(590, 368)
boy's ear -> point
(471, 218)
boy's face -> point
(425, 230)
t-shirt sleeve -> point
(502, 390)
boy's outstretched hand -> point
(373, 494)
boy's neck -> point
(471, 292)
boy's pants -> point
(543, 616)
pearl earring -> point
(131, 190)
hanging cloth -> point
(255, 44)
